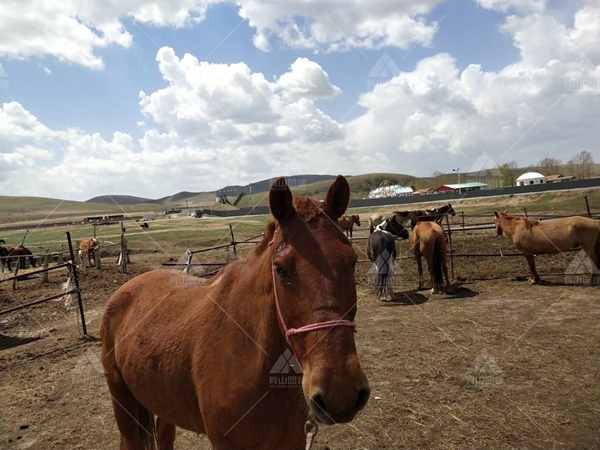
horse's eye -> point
(281, 272)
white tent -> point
(531, 178)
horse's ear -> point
(338, 198)
(281, 201)
(506, 210)
(495, 213)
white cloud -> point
(73, 30)
(446, 116)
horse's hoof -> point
(534, 281)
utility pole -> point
(458, 173)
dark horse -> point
(145, 226)
(206, 352)
(22, 252)
(381, 249)
(3, 260)
(431, 215)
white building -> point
(391, 191)
(531, 178)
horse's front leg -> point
(535, 278)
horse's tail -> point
(147, 428)
(438, 264)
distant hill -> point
(232, 190)
(121, 200)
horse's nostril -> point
(320, 403)
(361, 401)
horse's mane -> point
(306, 207)
(529, 223)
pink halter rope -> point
(289, 332)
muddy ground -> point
(422, 355)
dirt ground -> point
(499, 364)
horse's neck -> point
(509, 227)
(252, 304)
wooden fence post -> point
(587, 206)
(73, 272)
(525, 210)
(451, 249)
(233, 242)
(186, 269)
(45, 274)
(97, 259)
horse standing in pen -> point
(20, 254)
(347, 223)
(87, 251)
(203, 357)
(429, 240)
(381, 249)
(431, 215)
(533, 237)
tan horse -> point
(400, 216)
(533, 237)
(346, 223)
(87, 251)
(202, 355)
(429, 240)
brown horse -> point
(431, 215)
(21, 255)
(202, 355)
(533, 237)
(346, 223)
(429, 240)
(400, 217)
(87, 251)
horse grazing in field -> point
(431, 215)
(381, 249)
(399, 216)
(533, 237)
(145, 226)
(346, 223)
(87, 251)
(429, 240)
(20, 254)
(207, 352)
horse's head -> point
(451, 210)
(356, 219)
(497, 223)
(313, 265)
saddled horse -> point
(87, 251)
(401, 217)
(431, 215)
(20, 254)
(429, 240)
(346, 223)
(533, 237)
(207, 352)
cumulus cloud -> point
(529, 108)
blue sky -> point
(441, 108)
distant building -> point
(462, 187)
(529, 178)
(558, 178)
(423, 191)
(391, 191)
